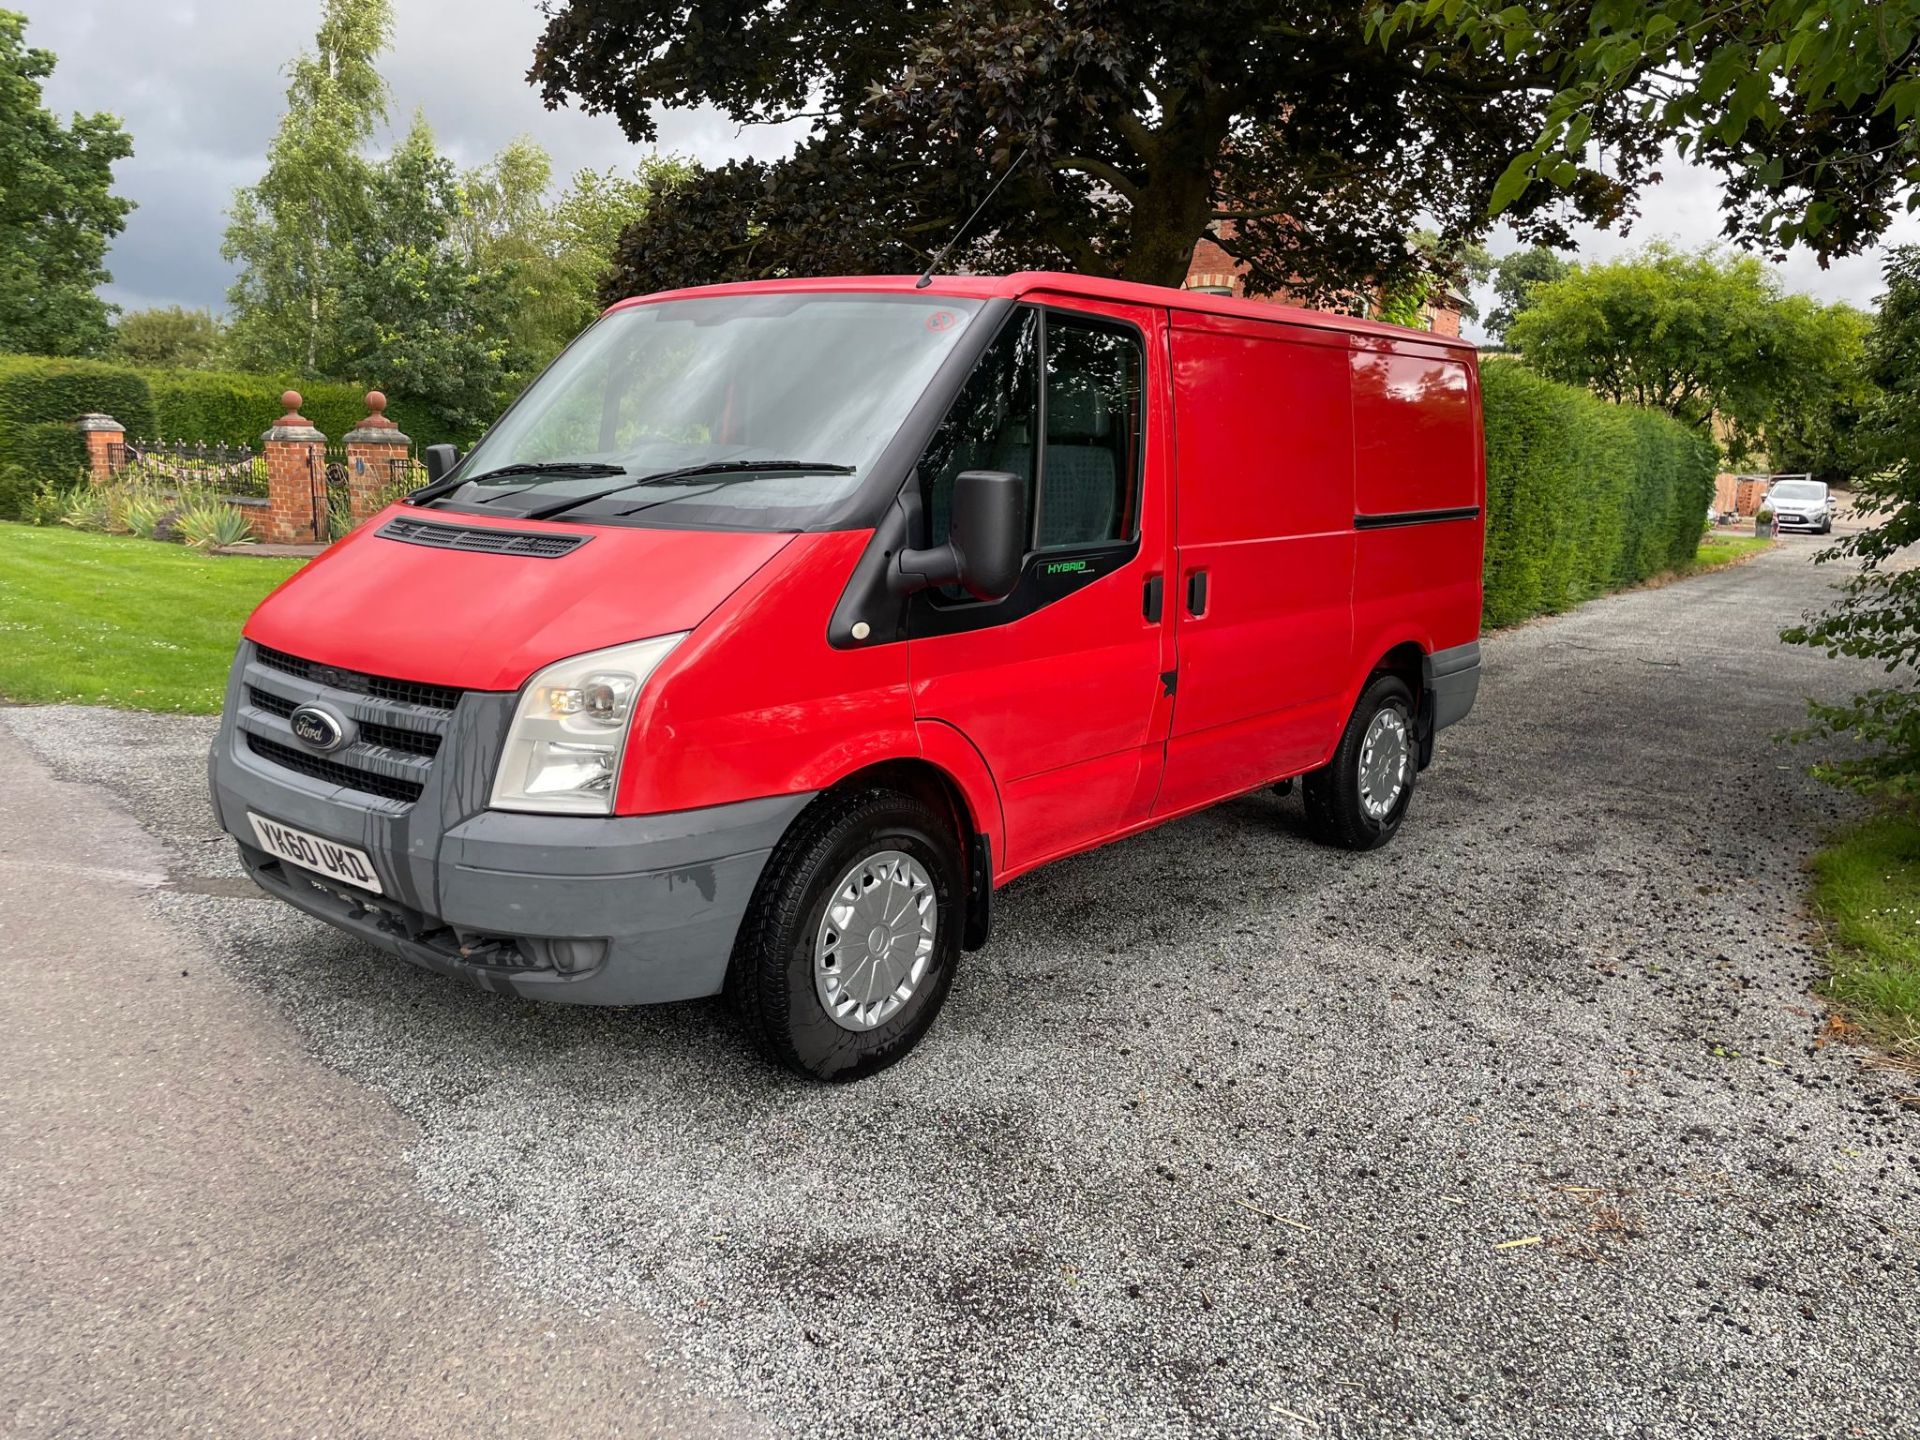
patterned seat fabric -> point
(1081, 504)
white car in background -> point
(1802, 505)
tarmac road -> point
(1521, 1127)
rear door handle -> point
(1153, 603)
(1197, 593)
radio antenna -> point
(941, 254)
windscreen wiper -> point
(523, 467)
(687, 472)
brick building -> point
(1213, 270)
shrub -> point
(1582, 496)
(88, 508)
(146, 512)
(209, 525)
(51, 499)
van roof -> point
(1031, 283)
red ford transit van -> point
(777, 625)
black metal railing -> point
(190, 469)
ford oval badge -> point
(316, 729)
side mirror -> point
(986, 544)
(440, 460)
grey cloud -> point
(201, 87)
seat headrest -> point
(1077, 412)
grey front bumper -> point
(624, 910)
(1453, 678)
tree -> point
(1878, 615)
(1702, 335)
(57, 209)
(1806, 108)
(1815, 428)
(1127, 130)
(1514, 277)
(172, 337)
(287, 231)
(417, 309)
(555, 253)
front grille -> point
(380, 687)
(481, 539)
(351, 777)
(269, 702)
(413, 742)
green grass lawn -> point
(1867, 889)
(113, 620)
(1717, 550)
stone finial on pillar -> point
(377, 459)
(106, 441)
(296, 455)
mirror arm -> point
(916, 570)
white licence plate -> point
(310, 852)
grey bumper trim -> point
(485, 894)
(1453, 677)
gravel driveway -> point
(1520, 1127)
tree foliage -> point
(554, 252)
(1806, 108)
(168, 337)
(57, 209)
(417, 308)
(1703, 335)
(289, 231)
(1877, 617)
(1514, 277)
(1130, 128)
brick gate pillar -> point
(296, 456)
(106, 441)
(376, 459)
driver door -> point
(1060, 685)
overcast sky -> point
(200, 85)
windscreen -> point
(1798, 490)
(759, 412)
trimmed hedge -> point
(1583, 497)
(227, 408)
(40, 399)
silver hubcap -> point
(876, 940)
(1386, 757)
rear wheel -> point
(1357, 800)
(849, 946)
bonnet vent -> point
(540, 546)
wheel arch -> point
(1410, 660)
(957, 784)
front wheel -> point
(849, 946)
(1358, 799)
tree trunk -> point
(1171, 212)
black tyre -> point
(850, 944)
(1358, 799)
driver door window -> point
(1083, 482)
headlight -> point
(570, 729)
